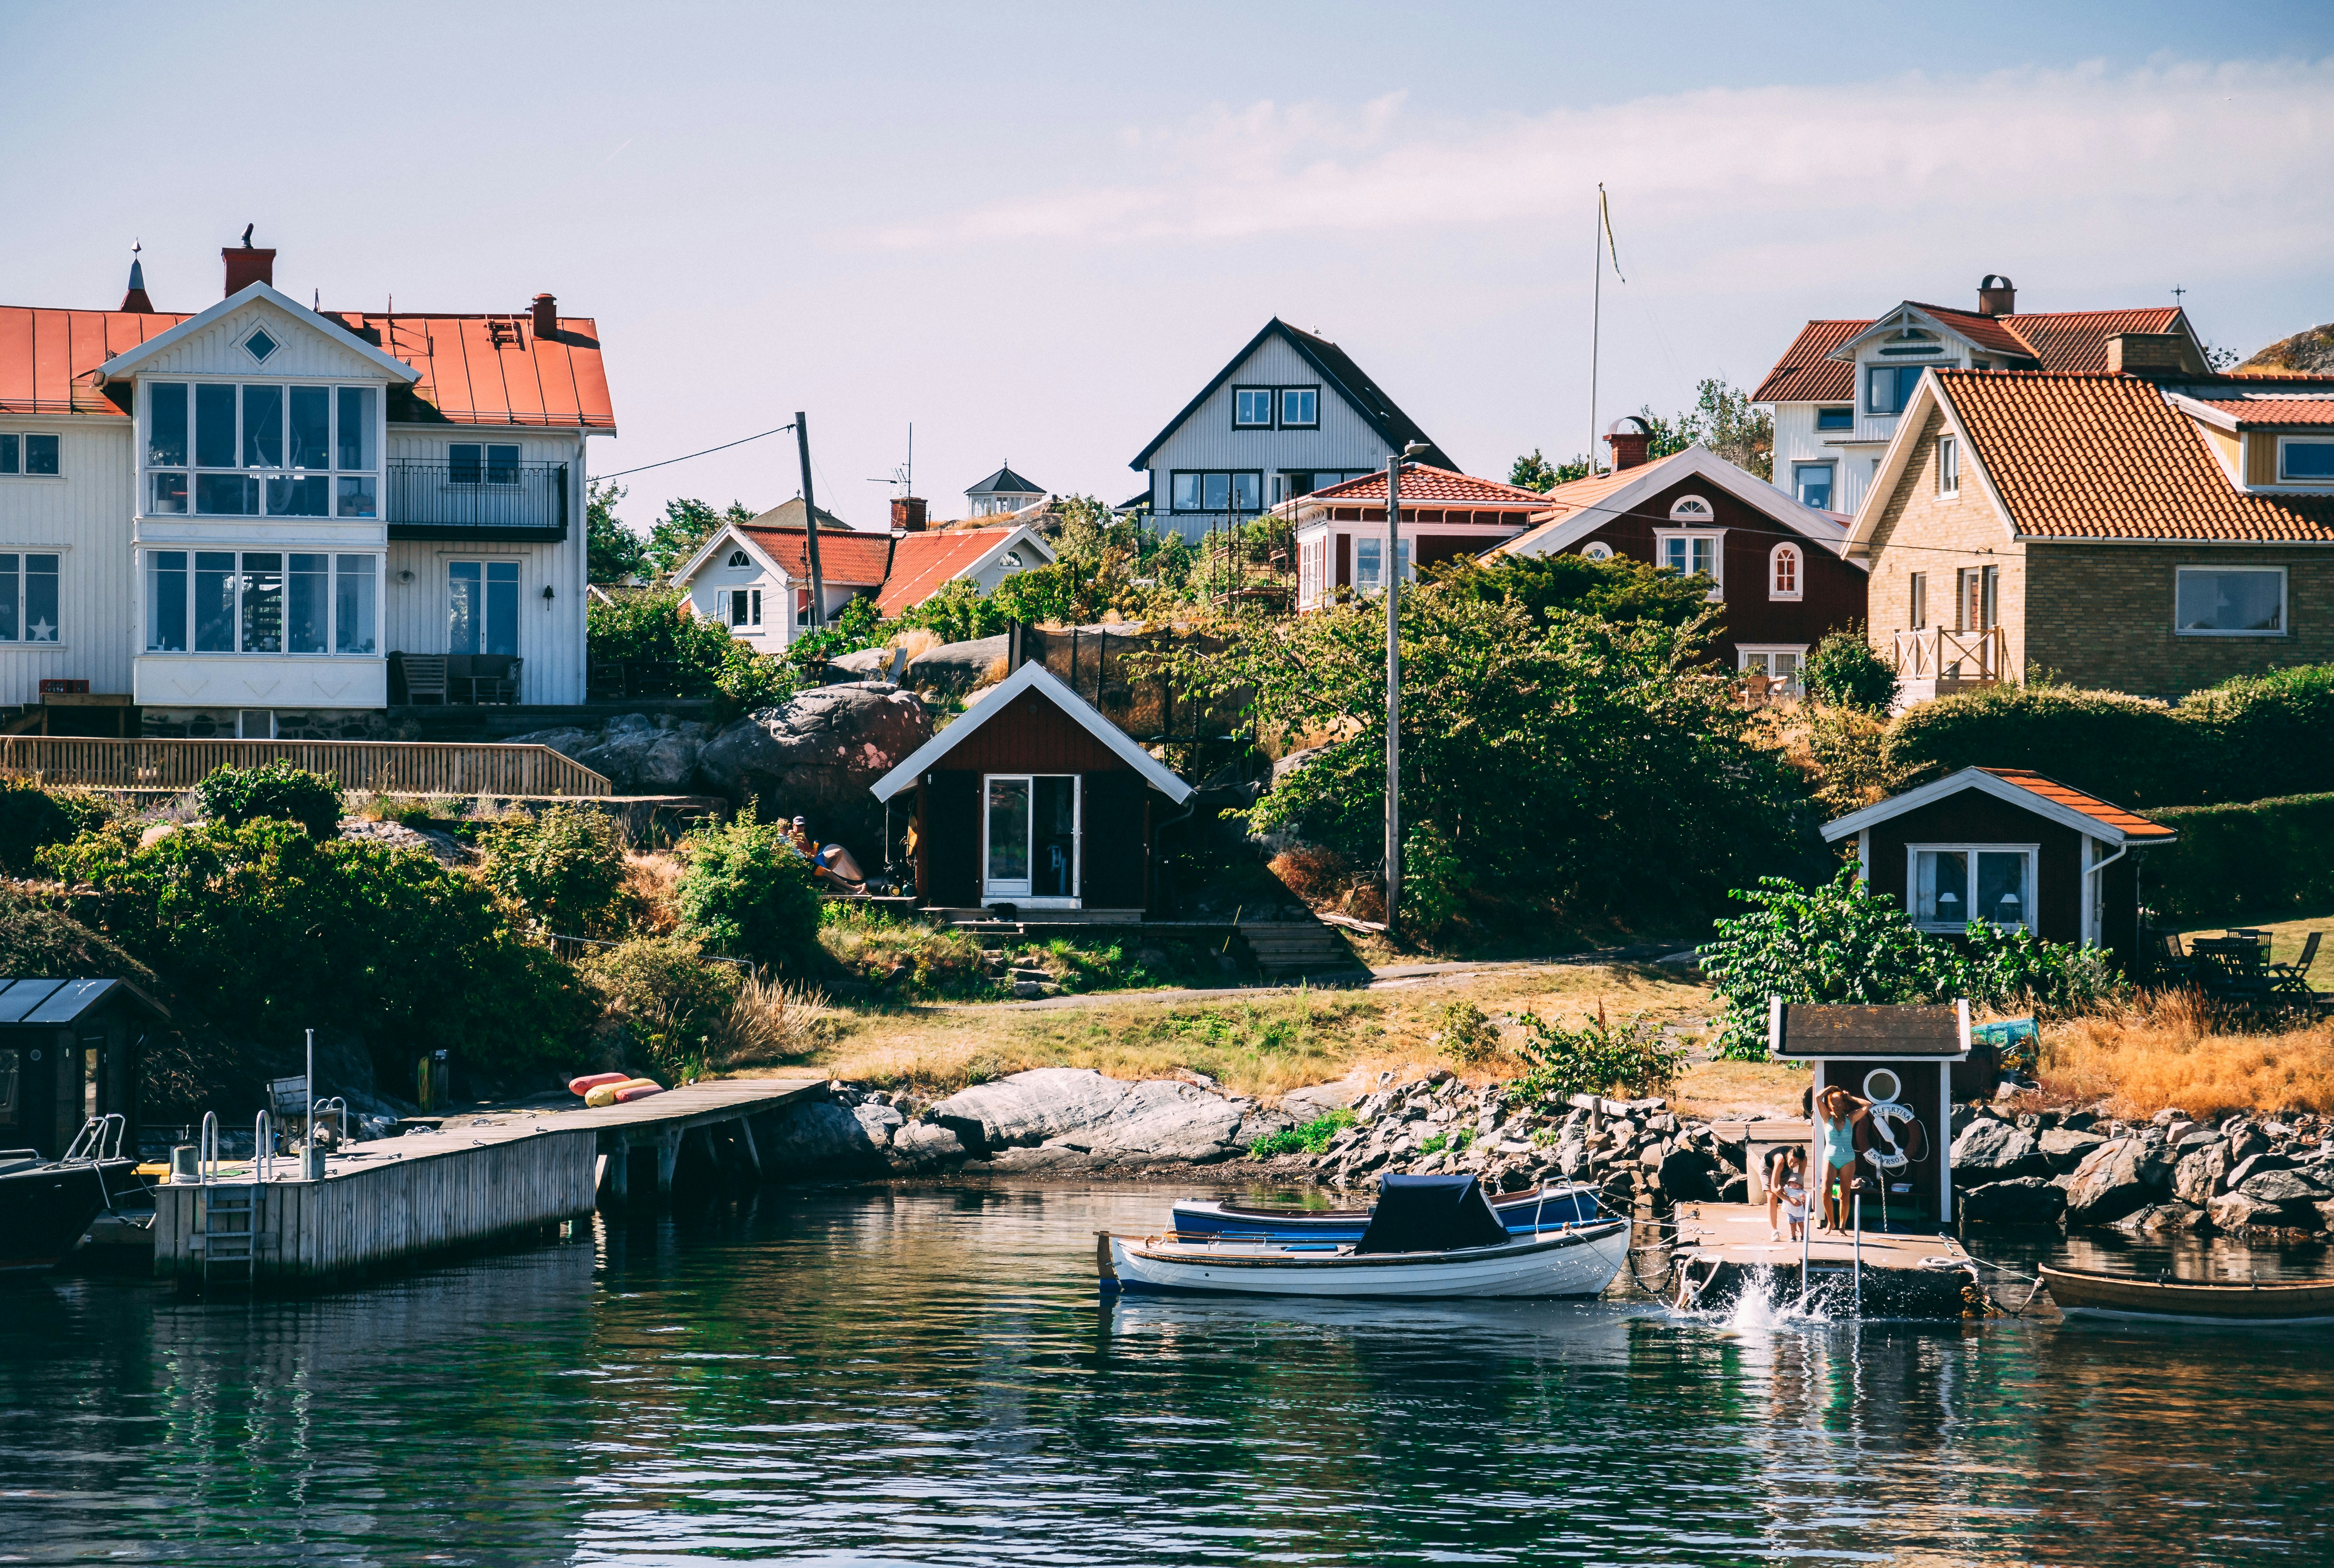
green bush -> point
(1845, 671)
(957, 613)
(39, 941)
(265, 931)
(1465, 1034)
(33, 818)
(1312, 1138)
(870, 944)
(2260, 737)
(667, 998)
(232, 796)
(746, 892)
(2264, 861)
(2131, 750)
(659, 629)
(1595, 1059)
(565, 866)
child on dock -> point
(1791, 1168)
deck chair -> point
(425, 676)
(2293, 978)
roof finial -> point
(134, 298)
(246, 235)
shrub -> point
(1845, 671)
(752, 680)
(1848, 749)
(1317, 875)
(2257, 736)
(33, 818)
(747, 891)
(565, 866)
(771, 1021)
(668, 998)
(2264, 861)
(1312, 1138)
(1595, 1059)
(2131, 750)
(2018, 971)
(266, 930)
(233, 796)
(1465, 1034)
(957, 613)
(661, 641)
(39, 941)
(874, 946)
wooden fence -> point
(382, 766)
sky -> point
(1034, 231)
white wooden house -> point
(235, 517)
(1289, 414)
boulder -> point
(1990, 1150)
(2162, 1216)
(2198, 1178)
(2236, 1211)
(880, 1122)
(1160, 1119)
(867, 664)
(1688, 1174)
(1029, 1108)
(956, 667)
(638, 753)
(816, 755)
(1318, 1100)
(2288, 1188)
(2110, 1182)
(1075, 1116)
(918, 1145)
(2252, 1165)
(2064, 1151)
(815, 1135)
(2019, 1200)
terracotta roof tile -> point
(1990, 332)
(847, 557)
(2063, 341)
(921, 562)
(1806, 374)
(2278, 412)
(2077, 341)
(2107, 457)
(1424, 486)
(2131, 824)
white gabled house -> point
(241, 514)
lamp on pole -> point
(1393, 679)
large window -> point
(471, 463)
(2230, 601)
(258, 601)
(1369, 563)
(1888, 387)
(248, 449)
(1955, 884)
(482, 607)
(1813, 483)
(1030, 832)
(1692, 555)
(1838, 417)
(31, 452)
(2303, 458)
(1300, 407)
(28, 599)
(1228, 492)
(742, 607)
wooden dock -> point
(1724, 1248)
(479, 1179)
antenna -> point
(904, 476)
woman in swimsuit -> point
(1837, 1114)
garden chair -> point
(494, 677)
(425, 676)
(2293, 979)
(2167, 957)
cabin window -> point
(1695, 554)
(1784, 571)
(745, 607)
(259, 602)
(2230, 601)
(2305, 460)
(1887, 389)
(1781, 665)
(1253, 407)
(1955, 884)
(1029, 836)
(1838, 417)
(1812, 483)
(1949, 466)
(1369, 563)
(29, 452)
(28, 598)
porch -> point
(1938, 660)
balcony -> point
(1937, 661)
(481, 500)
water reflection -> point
(927, 1377)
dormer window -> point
(2306, 459)
(737, 558)
(1887, 389)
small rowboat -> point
(2081, 1291)
(1430, 1237)
(1549, 1208)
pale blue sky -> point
(1036, 230)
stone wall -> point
(291, 724)
(1921, 531)
(2101, 615)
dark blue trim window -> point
(1888, 387)
(1839, 416)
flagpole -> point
(1595, 319)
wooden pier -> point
(479, 1179)
(1724, 1248)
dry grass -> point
(770, 1022)
(918, 640)
(2177, 1052)
(649, 880)
(1738, 1091)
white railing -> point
(1939, 653)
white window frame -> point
(18, 471)
(1280, 397)
(1309, 552)
(144, 567)
(1949, 467)
(1745, 653)
(1403, 557)
(446, 599)
(22, 640)
(2030, 897)
(1271, 395)
(739, 558)
(1717, 537)
(191, 471)
(991, 893)
(1798, 559)
(1597, 550)
(741, 608)
(1831, 484)
(2286, 442)
(2284, 603)
(1693, 512)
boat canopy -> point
(1432, 1214)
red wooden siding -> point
(1031, 735)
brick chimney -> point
(246, 266)
(1632, 443)
(2152, 355)
(1996, 296)
(546, 316)
(908, 513)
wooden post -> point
(810, 526)
(668, 1156)
(711, 1148)
(620, 1169)
(746, 1141)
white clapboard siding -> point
(82, 516)
(303, 349)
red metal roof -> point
(46, 356)
(921, 562)
(1423, 485)
(494, 369)
(2131, 824)
(2067, 342)
(846, 556)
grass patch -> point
(1313, 1138)
(2177, 1051)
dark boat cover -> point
(1432, 1214)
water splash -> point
(1765, 1301)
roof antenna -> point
(246, 235)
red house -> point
(1775, 563)
(1341, 530)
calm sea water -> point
(925, 1376)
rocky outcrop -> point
(1058, 1117)
(638, 753)
(2112, 1180)
(2065, 1148)
(815, 755)
(2021, 1200)
(954, 669)
(1988, 1151)
(852, 1131)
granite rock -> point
(2019, 1200)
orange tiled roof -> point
(2077, 341)
(46, 356)
(1425, 485)
(1993, 334)
(1806, 373)
(1558, 506)
(921, 562)
(2131, 824)
(847, 557)
(2102, 456)
(493, 370)
(2063, 341)
(2267, 412)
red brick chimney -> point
(546, 316)
(246, 266)
(908, 513)
(1996, 296)
(1632, 443)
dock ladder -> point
(232, 1210)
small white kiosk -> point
(1900, 1058)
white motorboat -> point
(1430, 1237)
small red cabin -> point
(1033, 799)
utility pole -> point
(1393, 692)
(810, 524)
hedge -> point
(2264, 861)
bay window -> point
(246, 449)
(263, 601)
(1955, 884)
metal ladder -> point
(232, 1210)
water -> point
(924, 1377)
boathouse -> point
(70, 1050)
(1033, 799)
(2012, 848)
(1901, 1059)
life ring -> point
(1889, 1153)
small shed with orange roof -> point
(2012, 848)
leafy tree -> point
(657, 630)
(33, 818)
(684, 528)
(1845, 671)
(1597, 1058)
(236, 795)
(565, 866)
(1536, 473)
(747, 892)
(1723, 420)
(1618, 589)
(613, 552)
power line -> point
(708, 452)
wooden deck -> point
(382, 766)
(480, 1177)
(1721, 1247)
